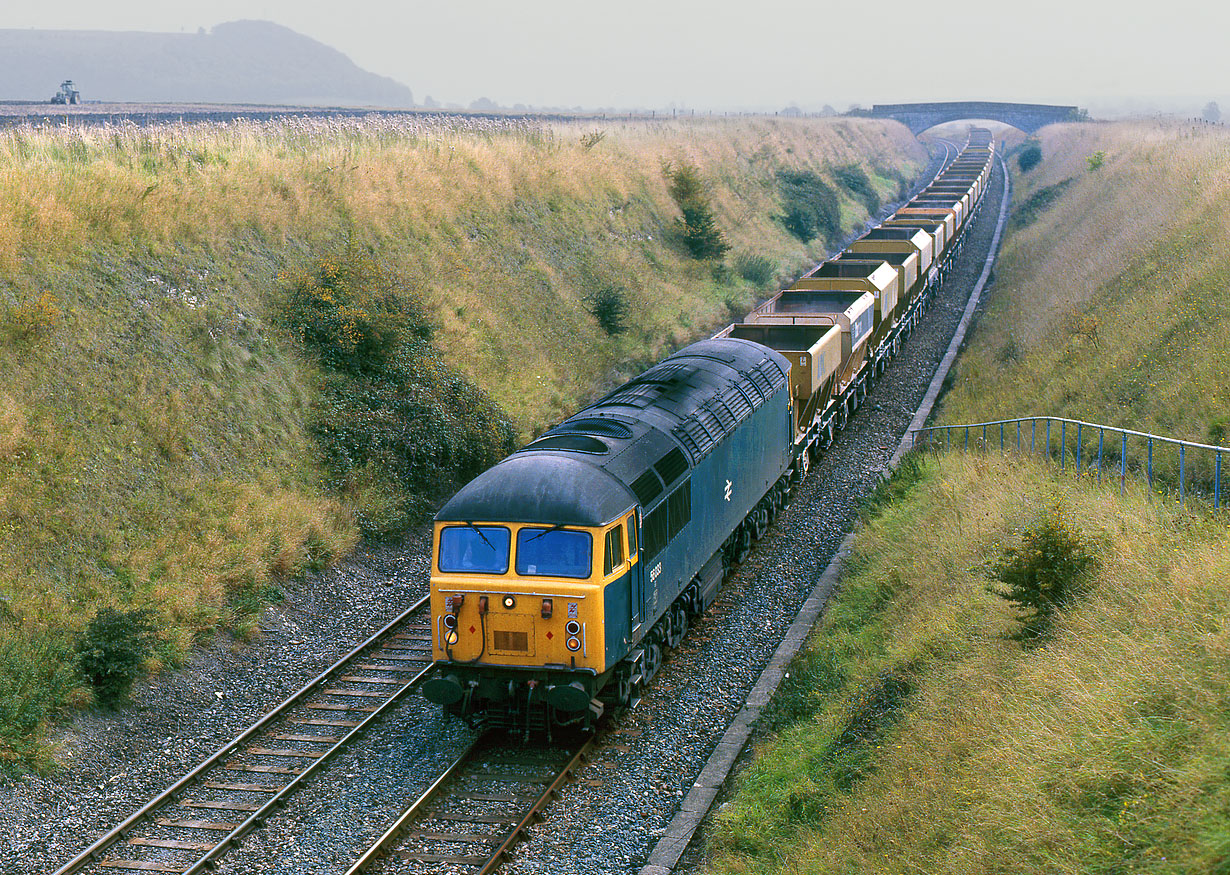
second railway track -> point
(189, 826)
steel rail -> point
(90, 854)
(391, 836)
(547, 795)
(393, 833)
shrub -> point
(697, 227)
(854, 179)
(1046, 571)
(809, 204)
(1029, 157)
(112, 651)
(396, 426)
(609, 305)
(37, 674)
(353, 313)
(34, 317)
(756, 269)
(1096, 160)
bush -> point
(809, 204)
(37, 675)
(112, 651)
(1096, 160)
(697, 227)
(1029, 157)
(854, 179)
(1046, 571)
(397, 427)
(609, 305)
(34, 317)
(354, 314)
(756, 269)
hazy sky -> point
(711, 55)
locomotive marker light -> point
(509, 603)
(450, 621)
(573, 643)
(546, 609)
(573, 628)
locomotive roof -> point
(631, 446)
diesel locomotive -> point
(562, 574)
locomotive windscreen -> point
(554, 553)
(481, 549)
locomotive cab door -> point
(636, 580)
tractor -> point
(67, 93)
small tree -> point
(609, 305)
(1046, 571)
(1212, 112)
(1096, 160)
(698, 226)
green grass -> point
(157, 412)
(917, 732)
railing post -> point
(984, 438)
(1080, 463)
(1150, 469)
(1182, 490)
(1033, 435)
(948, 431)
(1123, 465)
(967, 439)
(1001, 438)
(1101, 439)
(1063, 445)
(1048, 437)
(1018, 437)
(1217, 483)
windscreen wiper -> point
(553, 528)
(481, 535)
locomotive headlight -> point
(451, 637)
(509, 603)
(573, 643)
(450, 621)
(573, 628)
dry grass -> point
(1112, 304)
(1102, 749)
(154, 448)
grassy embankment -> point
(157, 412)
(917, 731)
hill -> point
(236, 62)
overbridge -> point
(1026, 116)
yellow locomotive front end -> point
(517, 616)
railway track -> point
(472, 815)
(189, 826)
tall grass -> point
(156, 415)
(1111, 300)
(1101, 749)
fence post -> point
(967, 439)
(1001, 438)
(1018, 436)
(1101, 438)
(1048, 437)
(1123, 465)
(1080, 462)
(984, 438)
(948, 433)
(1182, 490)
(1063, 445)
(1033, 435)
(1150, 469)
(1217, 484)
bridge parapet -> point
(1028, 117)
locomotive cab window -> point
(614, 554)
(554, 552)
(474, 549)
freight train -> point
(562, 574)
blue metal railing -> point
(1147, 466)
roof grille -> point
(604, 427)
(575, 443)
(646, 488)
